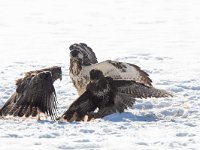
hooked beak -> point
(60, 77)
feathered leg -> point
(38, 116)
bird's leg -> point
(91, 116)
(38, 116)
(74, 117)
(86, 118)
(46, 117)
(1, 114)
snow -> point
(160, 36)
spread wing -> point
(123, 71)
(138, 90)
(55, 71)
(35, 94)
(126, 92)
(79, 108)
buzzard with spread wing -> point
(83, 60)
(109, 96)
(34, 94)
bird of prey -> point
(83, 60)
(34, 94)
(109, 96)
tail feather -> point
(34, 112)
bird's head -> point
(96, 74)
(44, 75)
(81, 52)
(98, 86)
(56, 72)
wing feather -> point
(81, 106)
(123, 71)
(138, 90)
(28, 111)
(8, 105)
(21, 86)
(34, 112)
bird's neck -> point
(75, 66)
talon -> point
(74, 117)
(38, 116)
(86, 118)
(92, 119)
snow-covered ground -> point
(161, 36)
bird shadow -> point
(127, 116)
(116, 117)
(45, 121)
(56, 121)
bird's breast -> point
(99, 91)
(80, 79)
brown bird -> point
(83, 60)
(34, 94)
(109, 96)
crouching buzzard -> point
(34, 93)
(83, 59)
(109, 96)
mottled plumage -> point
(83, 60)
(34, 94)
(109, 96)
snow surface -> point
(161, 36)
